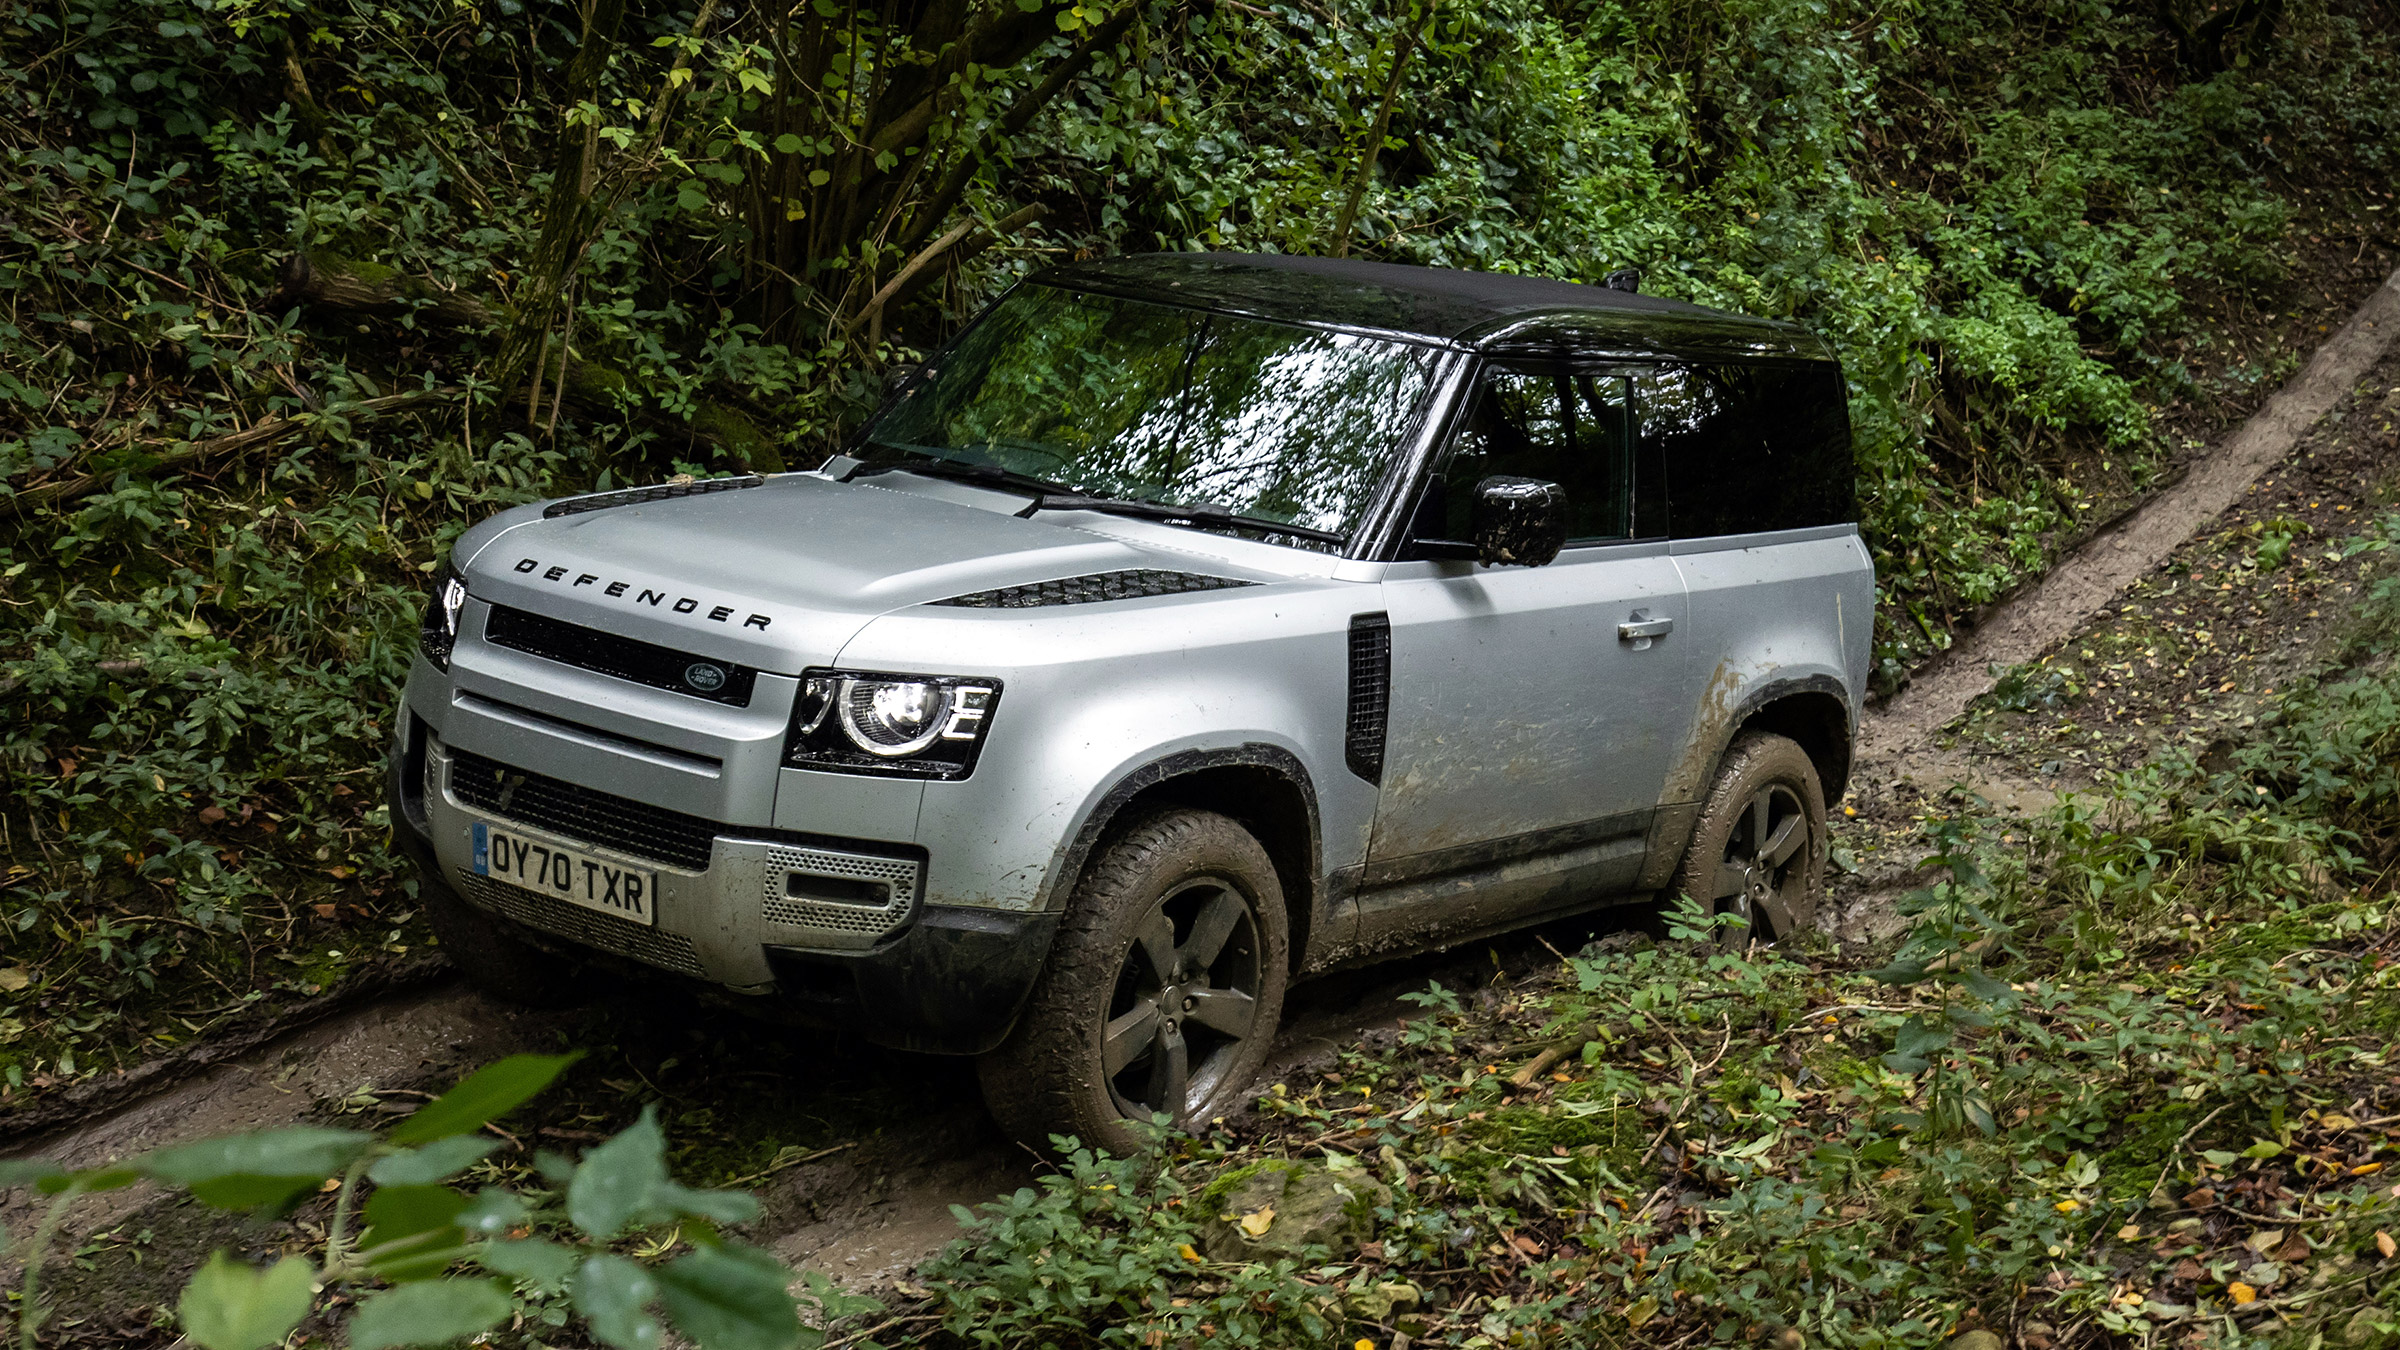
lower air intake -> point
(589, 928)
(823, 899)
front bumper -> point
(764, 912)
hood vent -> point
(659, 492)
(1137, 584)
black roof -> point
(1489, 311)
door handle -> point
(1641, 629)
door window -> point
(1555, 425)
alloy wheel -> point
(1185, 1001)
(1764, 860)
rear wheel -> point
(1162, 994)
(1758, 851)
(494, 959)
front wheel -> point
(1757, 856)
(1162, 994)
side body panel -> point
(1092, 698)
(1528, 741)
(1771, 615)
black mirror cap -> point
(1519, 522)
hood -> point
(776, 576)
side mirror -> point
(1519, 521)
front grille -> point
(589, 928)
(1135, 584)
(897, 878)
(621, 657)
(637, 828)
(601, 501)
(1370, 695)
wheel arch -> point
(1264, 788)
(1813, 711)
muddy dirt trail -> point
(869, 1207)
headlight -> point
(438, 632)
(917, 726)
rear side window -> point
(1556, 425)
(1746, 449)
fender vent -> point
(1370, 695)
(1137, 584)
(658, 492)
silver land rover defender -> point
(1189, 625)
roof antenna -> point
(1625, 279)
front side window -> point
(1179, 407)
(1557, 425)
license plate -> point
(568, 874)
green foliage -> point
(1102, 1253)
(230, 1306)
(429, 1314)
(418, 1232)
(487, 1094)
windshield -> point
(1120, 398)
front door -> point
(1534, 710)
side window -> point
(1567, 428)
(1745, 449)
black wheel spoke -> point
(1215, 923)
(1731, 881)
(1127, 1036)
(1170, 1072)
(1157, 944)
(1784, 842)
(1759, 810)
(1778, 915)
(1229, 1011)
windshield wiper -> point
(959, 470)
(1212, 517)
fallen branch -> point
(8, 684)
(258, 436)
(1552, 1054)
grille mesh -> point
(645, 831)
(634, 942)
(1136, 584)
(660, 492)
(1370, 695)
(622, 657)
(781, 907)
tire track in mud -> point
(870, 1214)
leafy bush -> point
(546, 1251)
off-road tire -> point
(1758, 767)
(1049, 1077)
(497, 961)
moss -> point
(1212, 1196)
(2147, 1144)
(1616, 1138)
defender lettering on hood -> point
(616, 590)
